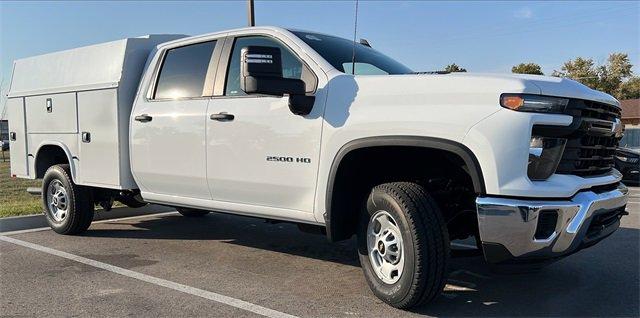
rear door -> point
(168, 129)
(17, 136)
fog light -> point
(544, 156)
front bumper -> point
(512, 230)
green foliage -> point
(629, 89)
(614, 77)
(14, 199)
(454, 68)
(581, 70)
(527, 68)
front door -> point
(168, 131)
(265, 155)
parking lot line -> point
(38, 229)
(230, 301)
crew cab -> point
(333, 135)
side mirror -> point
(261, 73)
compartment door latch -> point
(86, 136)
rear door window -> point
(183, 71)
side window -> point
(292, 67)
(184, 70)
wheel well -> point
(48, 156)
(447, 176)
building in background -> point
(631, 121)
(630, 111)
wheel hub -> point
(381, 247)
(57, 200)
(385, 247)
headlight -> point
(627, 159)
(534, 103)
(544, 156)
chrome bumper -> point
(508, 226)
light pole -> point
(250, 13)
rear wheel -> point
(192, 212)
(403, 245)
(68, 207)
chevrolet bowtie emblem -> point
(616, 128)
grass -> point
(14, 199)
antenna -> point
(355, 34)
(250, 13)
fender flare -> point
(410, 141)
(66, 151)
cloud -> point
(523, 13)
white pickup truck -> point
(286, 125)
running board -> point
(34, 191)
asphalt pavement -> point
(230, 266)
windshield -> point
(339, 53)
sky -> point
(481, 36)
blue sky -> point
(425, 35)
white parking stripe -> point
(38, 229)
(230, 301)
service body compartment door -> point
(17, 137)
(99, 156)
(52, 113)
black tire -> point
(79, 202)
(425, 244)
(192, 213)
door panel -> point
(169, 150)
(168, 146)
(98, 122)
(17, 136)
(51, 113)
(266, 156)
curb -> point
(19, 223)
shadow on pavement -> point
(600, 281)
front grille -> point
(593, 110)
(592, 143)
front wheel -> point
(68, 207)
(403, 245)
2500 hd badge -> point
(289, 159)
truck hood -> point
(548, 85)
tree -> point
(527, 68)
(454, 68)
(581, 70)
(609, 78)
(614, 73)
(629, 89)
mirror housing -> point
(261, 73)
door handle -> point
(143, 118)
(222, 117)
(86, 136)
